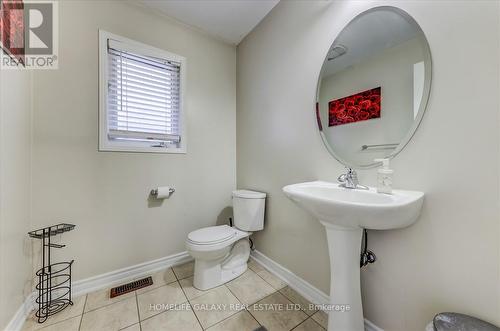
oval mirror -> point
(373, 87)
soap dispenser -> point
(384, 177)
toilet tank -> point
(248, 210)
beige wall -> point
(105, 193)
(15, 188)
(449, 260)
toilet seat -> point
(212, 235)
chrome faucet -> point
(350, 180)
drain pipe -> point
(366, 255)
(252, 247)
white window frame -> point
(106, 144)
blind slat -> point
(139, 98)
(144, 59)
(140, 114)
(145, 110)
(138, 121)
(139, 89)
(145, 71)
(144, 128)
(145, 107)
(142, 75)
(141, 93)
(162, 81)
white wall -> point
(106, 193)
(449, 260)
(15, 188)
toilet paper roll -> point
(163, 192)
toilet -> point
(221, 252)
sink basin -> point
(357, 208)
(345, 213)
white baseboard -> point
(369, 326)
(305, 289)
(117, 277)
(17, 321)
(99, 282)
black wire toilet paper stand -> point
(54, 279)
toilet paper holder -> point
(154, 192)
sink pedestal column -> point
(345, 287)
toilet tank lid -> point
(247, 194)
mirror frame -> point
(425, 94)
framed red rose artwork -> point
(358, 107)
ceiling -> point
(229, 20)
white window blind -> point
(143, 101)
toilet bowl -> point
(221, 252)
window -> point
(140, 100)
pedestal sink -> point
(345, 213)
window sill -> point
(132, 149)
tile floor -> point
(172, 303)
